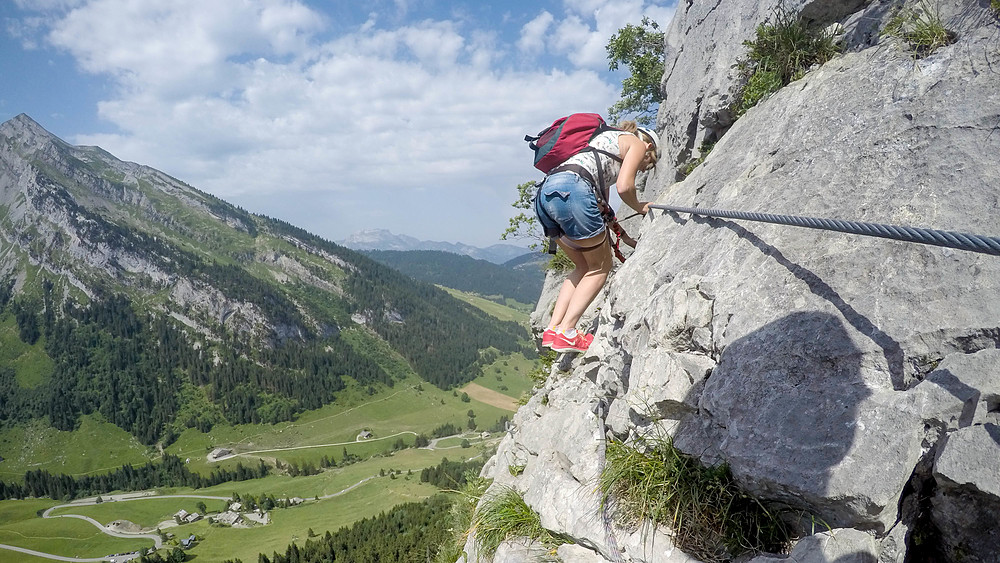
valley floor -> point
(377, 475)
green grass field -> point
(508, 375)
(391, 414)
(147, 513)
(95, 447)
(409, 407)
(293, 524)
(69, 537)
(31, 364)
(502, 312)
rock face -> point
(852, 378)
(62, 208)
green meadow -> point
(377, 477)
(509, 375)
(503, 312)
(334, 498)
(145, 512)
(94, 447)
(410, 407)
(30, 362)
(68, 537)
(293, 524)
(399, 413)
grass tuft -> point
(504, 515)
(782, 51)
(462, 517)
(710, 516)
(921, 28)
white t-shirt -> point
(607, 141)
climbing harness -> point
(949, 239)
(607, 213)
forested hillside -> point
(464, 273)
(128, 293)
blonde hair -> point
(630, 126)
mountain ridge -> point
(522, 283)
(256, 310)
(383, 239)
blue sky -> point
(336, 116)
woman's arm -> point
(633, 151)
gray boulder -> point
(966, 504)
(851, 379)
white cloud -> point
(434, 44)
(249, 100)
(45, 5)
(171, 45)
(583, 32)
(533, 33)
(25, 30)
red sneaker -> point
(579, 343)
(548, 337)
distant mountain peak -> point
(383, 239)
(28, 131)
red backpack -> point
(564, 138)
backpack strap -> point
(553, 234)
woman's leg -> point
(568, 285)
(586, 281)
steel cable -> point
(950, 239)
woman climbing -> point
(574, 199)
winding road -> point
(145, 495)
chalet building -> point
(228, 518)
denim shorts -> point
(566, 200)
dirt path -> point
(290, 448)
(490, 397)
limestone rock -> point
(966, 505)
(843, 545)
(853, 379)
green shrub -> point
(711, 518)
(704, 150)
(640, 48)
(921, 29)
(542, 368)
(504, 515)
(782, 51)
(560, 262)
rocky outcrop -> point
(86, 217)
(852, 378)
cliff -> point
(853, 381)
